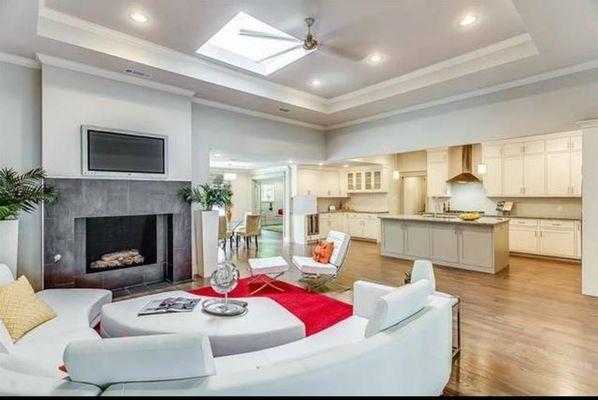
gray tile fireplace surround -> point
(64, 231)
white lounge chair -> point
(316, 274)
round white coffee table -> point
(267, 324)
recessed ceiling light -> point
(375, 58)
(139, 17)
(320, 164)
(217, 155)
(346, 165)
(290, 161)
(316, 83)
(468, 20)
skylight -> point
(236, 44)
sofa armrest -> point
(365, 295)
(139, 358)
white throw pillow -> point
(397, 306)
(5, 275)
(139, 359)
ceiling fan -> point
(310, 42)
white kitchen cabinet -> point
(367, 180)
(576, 173)
(534, 182)
(558, 238)
(512, 173)
(558, 173)
(363, 226)
(558, 242)
(417, 241)
(445, 242)
(547, 165)
(393, 237)
(437, 173)
(492, 180)
(476, 246)
(318, 182)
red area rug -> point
(317, 311)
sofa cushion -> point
(139, 359)
(308, 265)
(21, 378)
(349, 330)
(21, 310)
(5, 275)
(80, 307)
(397, 306)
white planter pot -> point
(9, 244)
(206, 241)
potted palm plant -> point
(218, 193)
(19, 192)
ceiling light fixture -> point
(316, 83)
(320, 164)
(468, 20)
(217, 155)
(346, 166)
(139, 17)
(375, 58)
(291, 161)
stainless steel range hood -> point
(465, 175)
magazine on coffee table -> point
(169, 305)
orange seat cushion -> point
(323, 252)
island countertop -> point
(446, 220)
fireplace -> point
(146, 221)
(120, 242)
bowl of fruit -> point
(470, 216)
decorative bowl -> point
(470, 216)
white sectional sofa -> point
(30, 366)
(399, 346)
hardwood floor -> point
(525, 331)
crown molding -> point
(18, 60)
(588, 124)
(258, 114)
(45, 59)
(509, 50)
(475, 93)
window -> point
(262, 55)
(267, 193)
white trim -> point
(475, 93)
(258, 114)
(18, 60)
(103, 73)
(588, 124)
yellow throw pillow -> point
(21, 310)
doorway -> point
(413, 190)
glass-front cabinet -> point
(367, 179)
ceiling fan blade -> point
(341, 53)
(281, 53)
(264, 35)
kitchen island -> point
(481, 245)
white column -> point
(589, 249)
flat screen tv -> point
(119, 153)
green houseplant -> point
(218, 193)
(19, 192)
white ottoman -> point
(266, 324)
(267, 270)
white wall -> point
(242, 192)
(71, 99)
(243, 134)
(589, 250)
(20, 148)
(545, 107)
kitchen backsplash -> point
(471, 196)
(374, 202)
